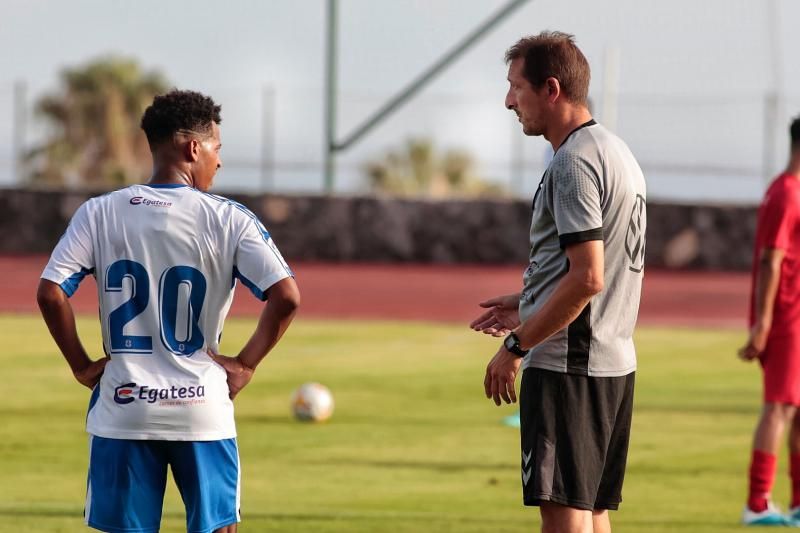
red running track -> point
(428, 293)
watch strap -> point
(511, 344)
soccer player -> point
(570, 329)
(775, 340)
(166, 256)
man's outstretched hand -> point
(501, 317)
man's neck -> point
(793, 167)
(170, 175)
(565, 123)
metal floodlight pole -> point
(267, 139)
(611, 88)
(19, 129)
(330, 94)
(774, 112)
(402, 96)
(771, 113)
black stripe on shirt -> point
(579, 335)
(566, 239)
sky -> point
(690, 89)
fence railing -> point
(692, 148)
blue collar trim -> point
(165, 185)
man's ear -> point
(192, 150)
(553, 89)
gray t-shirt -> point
(593, 189)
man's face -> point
(526, 101)
(208, 161)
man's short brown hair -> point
(553, 54)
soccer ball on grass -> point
(312, 402)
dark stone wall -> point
(701, 237)
(375, 229)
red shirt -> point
(779, 228)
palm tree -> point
(418, 170)
(95, 138)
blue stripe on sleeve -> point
(264, 234)
(261, 295)
(259, 226)
(254, 218)
(70, 285)
(243, 209)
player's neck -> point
(571, 118)
(793, 167)
(170, 175)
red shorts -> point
(781, 364)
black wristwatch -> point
(511, 343)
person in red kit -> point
(775, 340)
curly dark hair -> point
(179, 110)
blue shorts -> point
(127, 479)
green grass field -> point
(413, 444)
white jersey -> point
(166, 259)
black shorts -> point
(575, 433)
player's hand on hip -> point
(502, 315)
(500, 376)
(89, 376)
(239, 374)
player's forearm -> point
(57, 313)
(767, 281)
(281, 308)
(569, 298)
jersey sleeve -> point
(577, 209)
(778, 220)
(73, 257)
(258, 263)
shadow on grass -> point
(689, 525)
(427, 518)
(324, 516)
(698, 408)
(42, 512)
(266, 419)
(356, 420)
(422, 465)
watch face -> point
(508, 342)
(511, 343)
